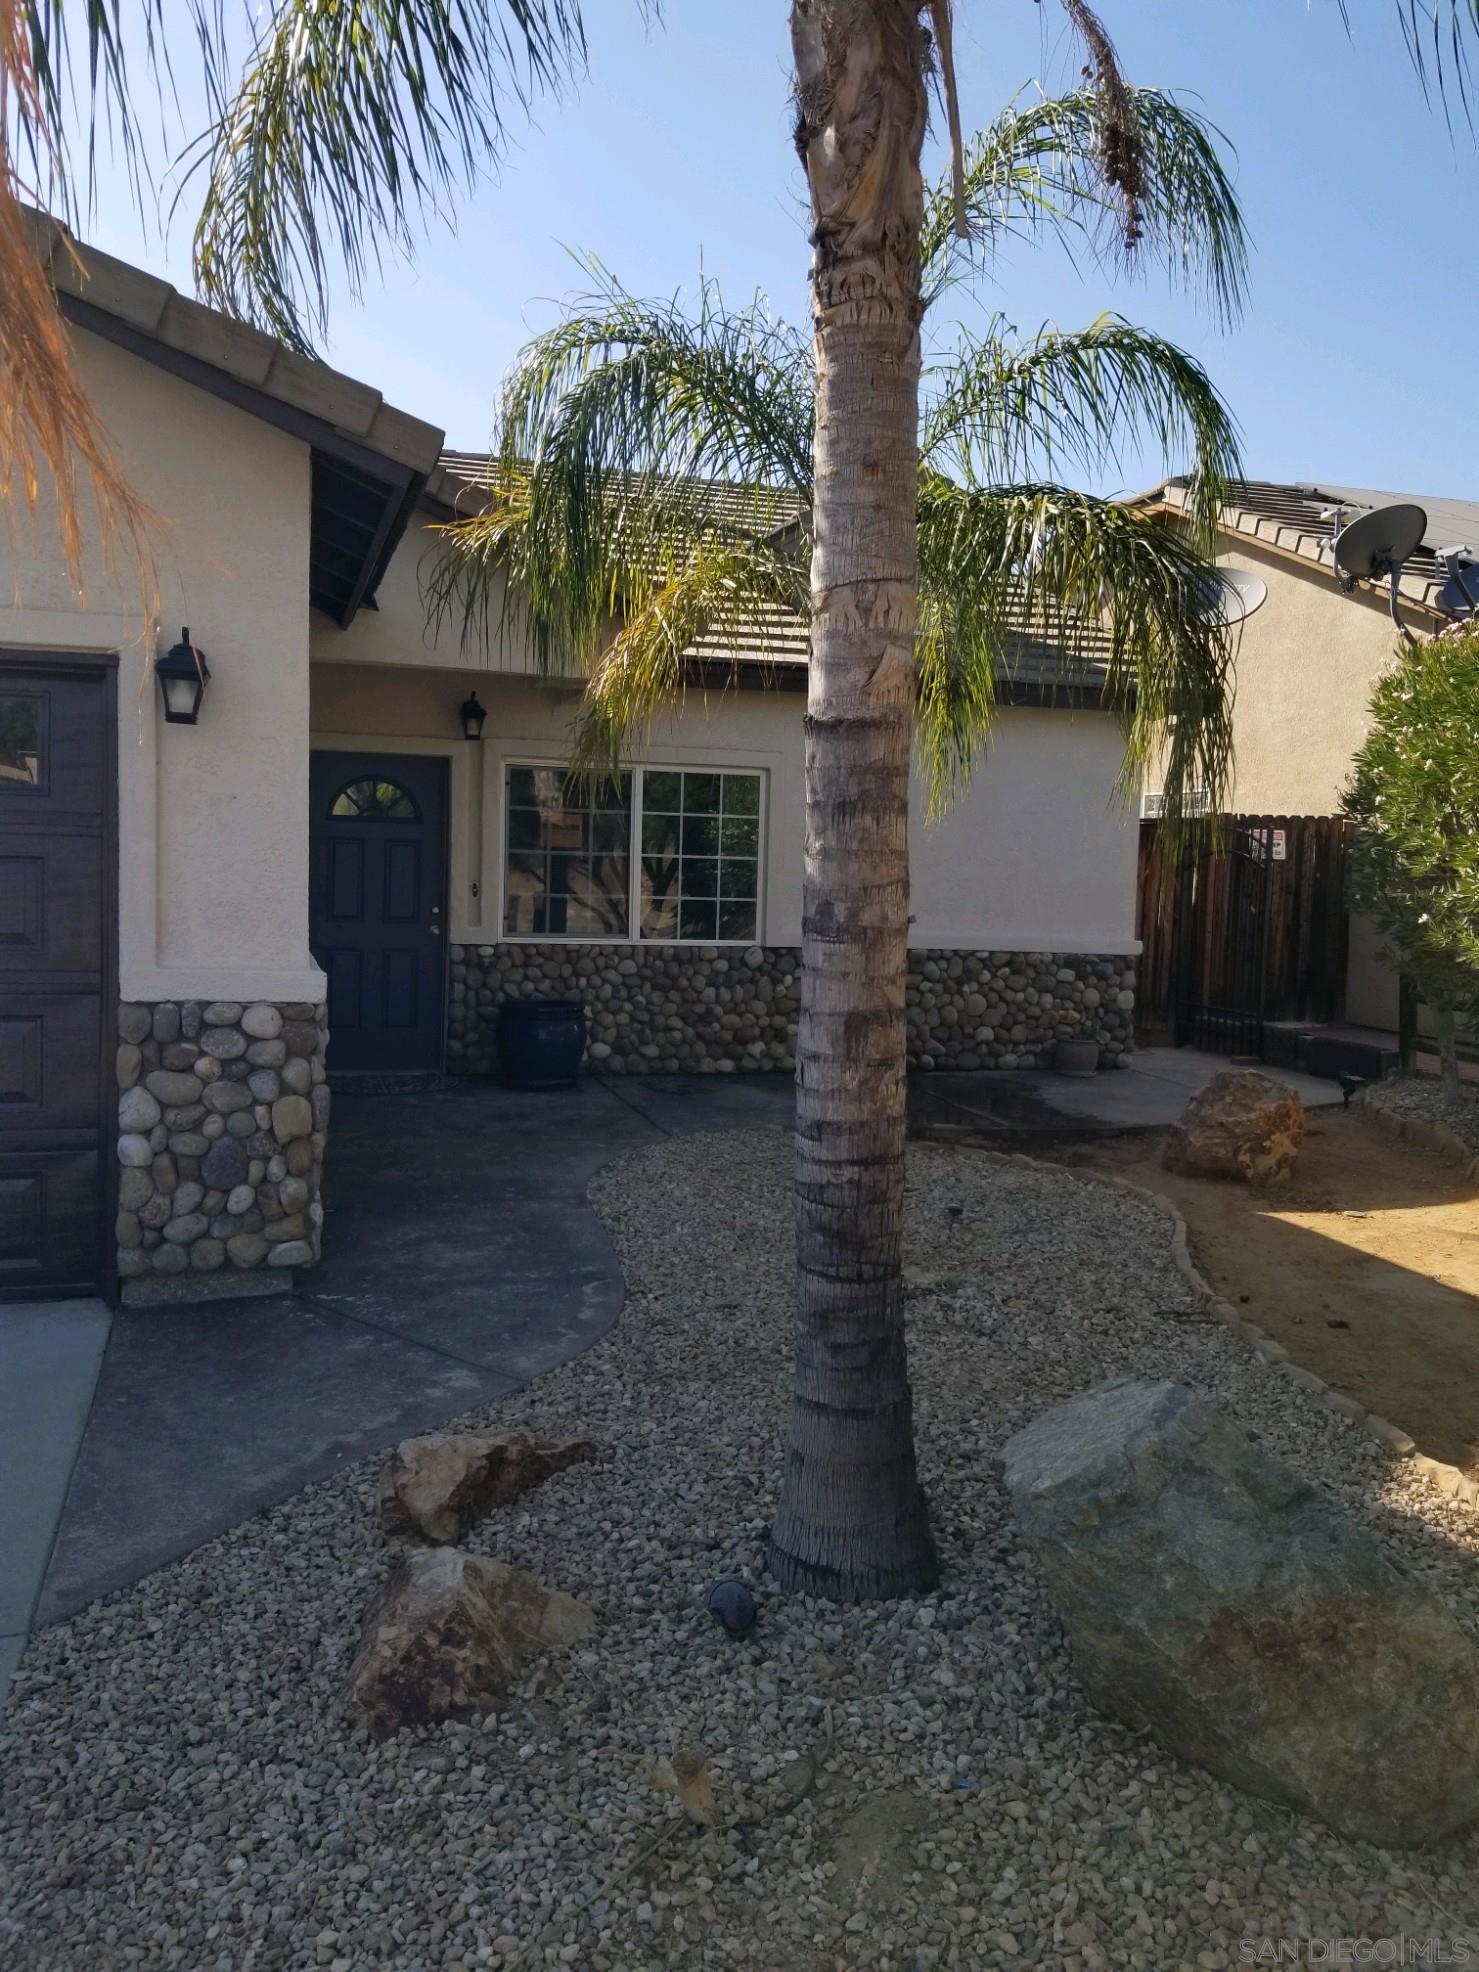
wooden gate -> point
(1241, 929)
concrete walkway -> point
(50, 1354)
(1150, 1094)
(462, 1261)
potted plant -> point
(1077, 1054)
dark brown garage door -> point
(56, 887)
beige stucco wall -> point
(1306, 664)
(213, 821)
(1037, 855)
(397, 631)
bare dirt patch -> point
(1364, 1263)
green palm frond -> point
(627, 385)
(1076, 400)
(653, 492)
(353, 125)
(730, 593)
(630, 435)
(1107, 595)
(1035, 171)
(1438, 34)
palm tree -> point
(357, 122)
(710, 474)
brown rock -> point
(1242, 1125)
(448, 1633)
(438, 1486)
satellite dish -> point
(1242, 593)
(1377, 545)
(1460, 593)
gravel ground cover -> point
(913, 1785)
(1420, 1098)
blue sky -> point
(1353, 363)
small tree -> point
(1414, 798)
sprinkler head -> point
(731, 1603)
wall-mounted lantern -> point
(472, 715)
(183, 674)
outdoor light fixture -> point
(473, 716)
(182, 675)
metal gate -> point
(1242, 929)
(1221, 977)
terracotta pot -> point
(1076, 1057)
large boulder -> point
(1243, 1124)
(448, 1634)
(1214, 1597)
(438, 1486)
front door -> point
(379, 848)
(56, 890)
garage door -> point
(56, 830)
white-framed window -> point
(1197, 801)
(662, 854)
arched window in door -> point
(374, 801)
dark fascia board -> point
(403, 486)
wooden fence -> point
(1256, 925)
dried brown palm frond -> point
(49, 431)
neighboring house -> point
(1307, 660)
(323, 872)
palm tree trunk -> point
(1448, 1052)
(852, 1522)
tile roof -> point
(152, 308)
(780, 636)
(1294, 519)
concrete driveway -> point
(462, 1260)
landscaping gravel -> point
(914, 1785)
(1420, 1098)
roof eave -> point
(335, 416)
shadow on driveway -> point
(461, 1260)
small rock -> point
(437, 1486)
(447, 1634)
(1243, 1124)
(292, 1117)
(262, 1021)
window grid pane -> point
(567, 854)
(700, 861)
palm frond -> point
(109, 84)
(1064, 401)
(733, 592)
(48, 428)
(1035, 171)
(1437, 37)
(631, 434)
(1107, 595)
(354, 125)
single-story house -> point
(1309, 657)
(322, 873)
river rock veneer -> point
(223, 1111)
(1215, 1598)
(726, 1010)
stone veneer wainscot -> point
(709, 1009)
(222, 1114)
